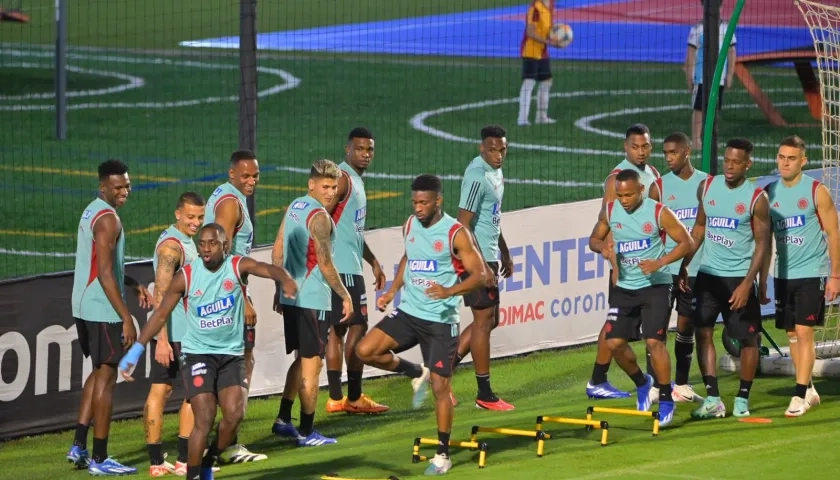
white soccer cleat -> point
(420, 385)
(653, 396)
(798, 407)
(685, 393)
(812, 397)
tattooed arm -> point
(320, 228)
(170, 259)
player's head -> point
(737, 159)
(637, 144)
(323, 181)
(629, 189)
(189, 213)
(791, 158)
(493, 145)
(114, 185)
(359, 149)
(244, 173)
(426, 198)
(677, 150)
(212, 245)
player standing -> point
(349, 209)
(480, 210)
(641, 296)
(212, 292)
(304, 245)
(803, 217)
(228, 207)
(637, 150)
(437, 250)
(678, 190)
(536, 64)
(733, 216)
(104, 324)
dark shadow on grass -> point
(315, 470)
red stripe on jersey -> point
(241, 216)
(708, 185)
(339, 208)
(756, 194)
(407, 226)
(610, 206)
(188, 277)
(655, 171)
(311, 255)
(94, 267)
(814, 188)
(235, 263)
(456, 262)
(658, 223)
(661, 189)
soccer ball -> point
(562, 33)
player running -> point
(677, 189)
(637, 150)
(640, 298)
(304, 245)
(733, 216)
(480, 210)
(348, 210)
(437, 250)
(803, 217)
(103, 322)
(212, 292)
(227, 207)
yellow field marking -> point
(33, 233)
(83, 173)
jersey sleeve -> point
(473, 188)
(694, 36)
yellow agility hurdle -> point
(628, 412)
(480, 446)
(589, 424)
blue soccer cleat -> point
(206, 474)
(109, 468)
(315, 439)
(283, 429)
(604, 391)
(643, 395)
(78, 456)
(666, 413)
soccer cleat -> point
(798, 407)
(685, 393)
(643, 395)
(78, 456)
(109, 468)
(741, 407)
(336, 406)
(239, 454)
(181, 469)
(712, 407)
(439, 465)
(205, 474)
(544, 120)
(161, 470)
(420, 385)
(604, 391)
(497, 405)
(653, 396)
(365, 404)
(666, 413)
(283, 429)
(315, 439)
(812, 397)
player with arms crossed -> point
(536, 64)
(480, 210)
(104, 324)
(803, 217)
(640, 298)
(637, 150)
(212, 292)
(304, 245)
(677, 189)
(348, 209)
(437, 250)
(227, 206)
(733, 218)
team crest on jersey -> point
(216, 307)
(740, 209)
(802, 203)
(722, 222)
(647, 228)
(228, 285)
(300, 205)
(216, 191)
(634, 245)
(422, 265)
(87, 214)
(438, 246)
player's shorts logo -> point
(802, 203)
(218, 306)
(740, 209)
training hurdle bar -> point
(626, 411)
(588, 423)
(481, 446)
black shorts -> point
(306, 331)
(637, 314)
(683, 301)
(101, 341)
(438, 341)
(536, 69)
(250, 331)
(212, 373)
(157, 372)
(484, 297)
(698, 103)
(355, 285)
(712, 294)
(799, 301)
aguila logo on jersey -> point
(422, 265)
(497, 208)
(802, 203)
(789, 222)
(216, 307)
(722, 222)
(686, 213)
(216, 191)
(740, 209)
(361, 214)
(87, 214)
(633, 245)
(300, 205)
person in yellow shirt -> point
(536, 66)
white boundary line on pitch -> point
(133, 82)
(30, 253)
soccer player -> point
(175, 248)
(637, 150)
(640, 298)
(103, 322)
(480, 210)
(693, 69)
(228, 207)
(348, 210)
(437, 250)
(536, 65)
(677, 189)
(803, 217)
(304, 245)
(212, 292)
(733, 217)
